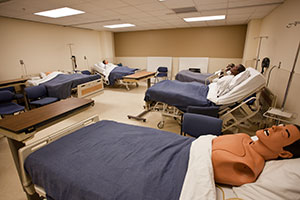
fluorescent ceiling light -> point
(206, 18)
(60, 12)
(119, 25)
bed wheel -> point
(144, 120)
(160, 124)
(129, 117)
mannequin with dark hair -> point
(294, 148)
(237, 69)
(237, 159)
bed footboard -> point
(25, 151)
(89, 88)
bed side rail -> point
(25, 151)
(240, 113)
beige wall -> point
(281, 46)
(218, 42)
(251, 43)
(107, 46)
(44, 47)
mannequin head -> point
(237, 69)
(272, 141)
(105, 62)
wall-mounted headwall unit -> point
(213, 42)
(186, 63)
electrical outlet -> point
(21, 62)
(84, 57)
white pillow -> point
(279, 180)
(238, 79)
(223, 85)
(42, 75)
(102, 65)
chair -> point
(37, 96)
(197, 124)
(162, 72)
(13, 90)
(7, 107)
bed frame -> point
(25, 151)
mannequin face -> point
(277, 137)
(234, 70)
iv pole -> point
(290, 77)
(258, 50)
(278, 114)
(73, 59)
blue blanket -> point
(110, 160)
(179, 94)
(189, 76)
(119, 72)
(61, 86)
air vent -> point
(185, 10)
(3, 1)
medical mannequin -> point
(237, 159)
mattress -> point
(189, 76)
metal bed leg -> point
(140, 117)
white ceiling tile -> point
(137, 2)
(238, 16)
(240, 11)
(186, 15)
(161, 12)
(127, 10)
(207, 7)
(216, 23)
(104, 4)
(178, 4)
(213, 12)
(147, 14)
(211, 1)
(151, 6)
(169, 17)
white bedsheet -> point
(35, 82)
(199, 179)
(242, 90)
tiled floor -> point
(112, 104)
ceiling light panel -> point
(119, 26)
(205, 18)
(60, 12)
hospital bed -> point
(60, 85)
(237, 100)
(112, 74)
(109, 160)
